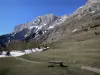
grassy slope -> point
(80, 53)
(74, 54)
(11, 66)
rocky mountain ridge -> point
(81, 25)
(40, 24)
(51, 28)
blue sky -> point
(14, 12)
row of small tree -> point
(21, 45)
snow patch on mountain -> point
(50, 27)
(75, 30)
(92, 12)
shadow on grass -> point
(4, 71)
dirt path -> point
(97, 70)
(25, 60)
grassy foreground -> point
(74, 54)
(13, 66)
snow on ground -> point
(92, 12)
(51, 27)
(81, 7)
(2, 56)
(25, 35)
(75, 30)
(15, 53)
(31, 27)
(37, 27)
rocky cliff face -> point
(81, 25)
(41, 23)
(90, 7)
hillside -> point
(73, 39)
(73, 54)
(84, 21)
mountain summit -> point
(41, 23)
